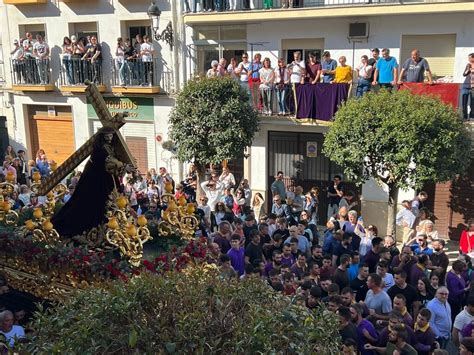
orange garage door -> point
(52, 133)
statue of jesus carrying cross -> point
(109, 159)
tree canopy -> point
(212, 121)
(193, 312)
(400, 139)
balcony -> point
(307, 9)
(307, 103)
(135, 76)
(31, 74)
(75, 71)
(24, 2)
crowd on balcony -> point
(82, 60)
(389, 298)
(134, 62)
(266, 84)
(195, 6)
(30, 60)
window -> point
(83, 29)
(437, 49)
(306, 46)
(36, 29)
(304, 53)
(214, 42)
(133, 28)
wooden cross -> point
(121, 150)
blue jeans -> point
(68, 68)
(281, 97)
(218, 5)
(363, 86)
(467, 100)
(43, 70)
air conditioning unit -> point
(358, 30)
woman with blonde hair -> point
(258, 205)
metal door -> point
(299, 155)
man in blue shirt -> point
(440, 320)
(328, 65)
(386, 71)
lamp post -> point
(166, 35)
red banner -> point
(448, 93)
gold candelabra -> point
(7, 216)
(125, 232)
(36, 177)
(41, 227)
(178, 218)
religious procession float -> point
(55, 248)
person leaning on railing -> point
(146, 52)
(128, 69)
(78, 50)
(120, 59)
(364, 71)
(68, 50)
(267, 76)
(342, 73)
(281, 81)
(29, 63)
(93, 56)
(17, 62)
(41, 52)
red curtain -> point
(448, 93)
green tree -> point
(399, 139)
(193, 312)
(212, 121)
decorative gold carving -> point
(122, 231)
(178, 218)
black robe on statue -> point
(86, 207)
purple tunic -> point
(237, 260)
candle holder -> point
(8, 217)
(178, 218)
(125, 232)
(42, 229)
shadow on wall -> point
(106, 60)
(462, 200)
(55, 62)
(106, 7)
(40, 10)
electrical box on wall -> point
(358, 30)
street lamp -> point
(166, 35)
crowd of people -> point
(263, 82)
(389, 298)
(82, 60)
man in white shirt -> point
(406, 219)
(214, 190)
(10, 331)
(243, 69)
(146, 53)
(297, 69)
(41, 52)
(465, 317)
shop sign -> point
(138, 108)
(311, 149)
